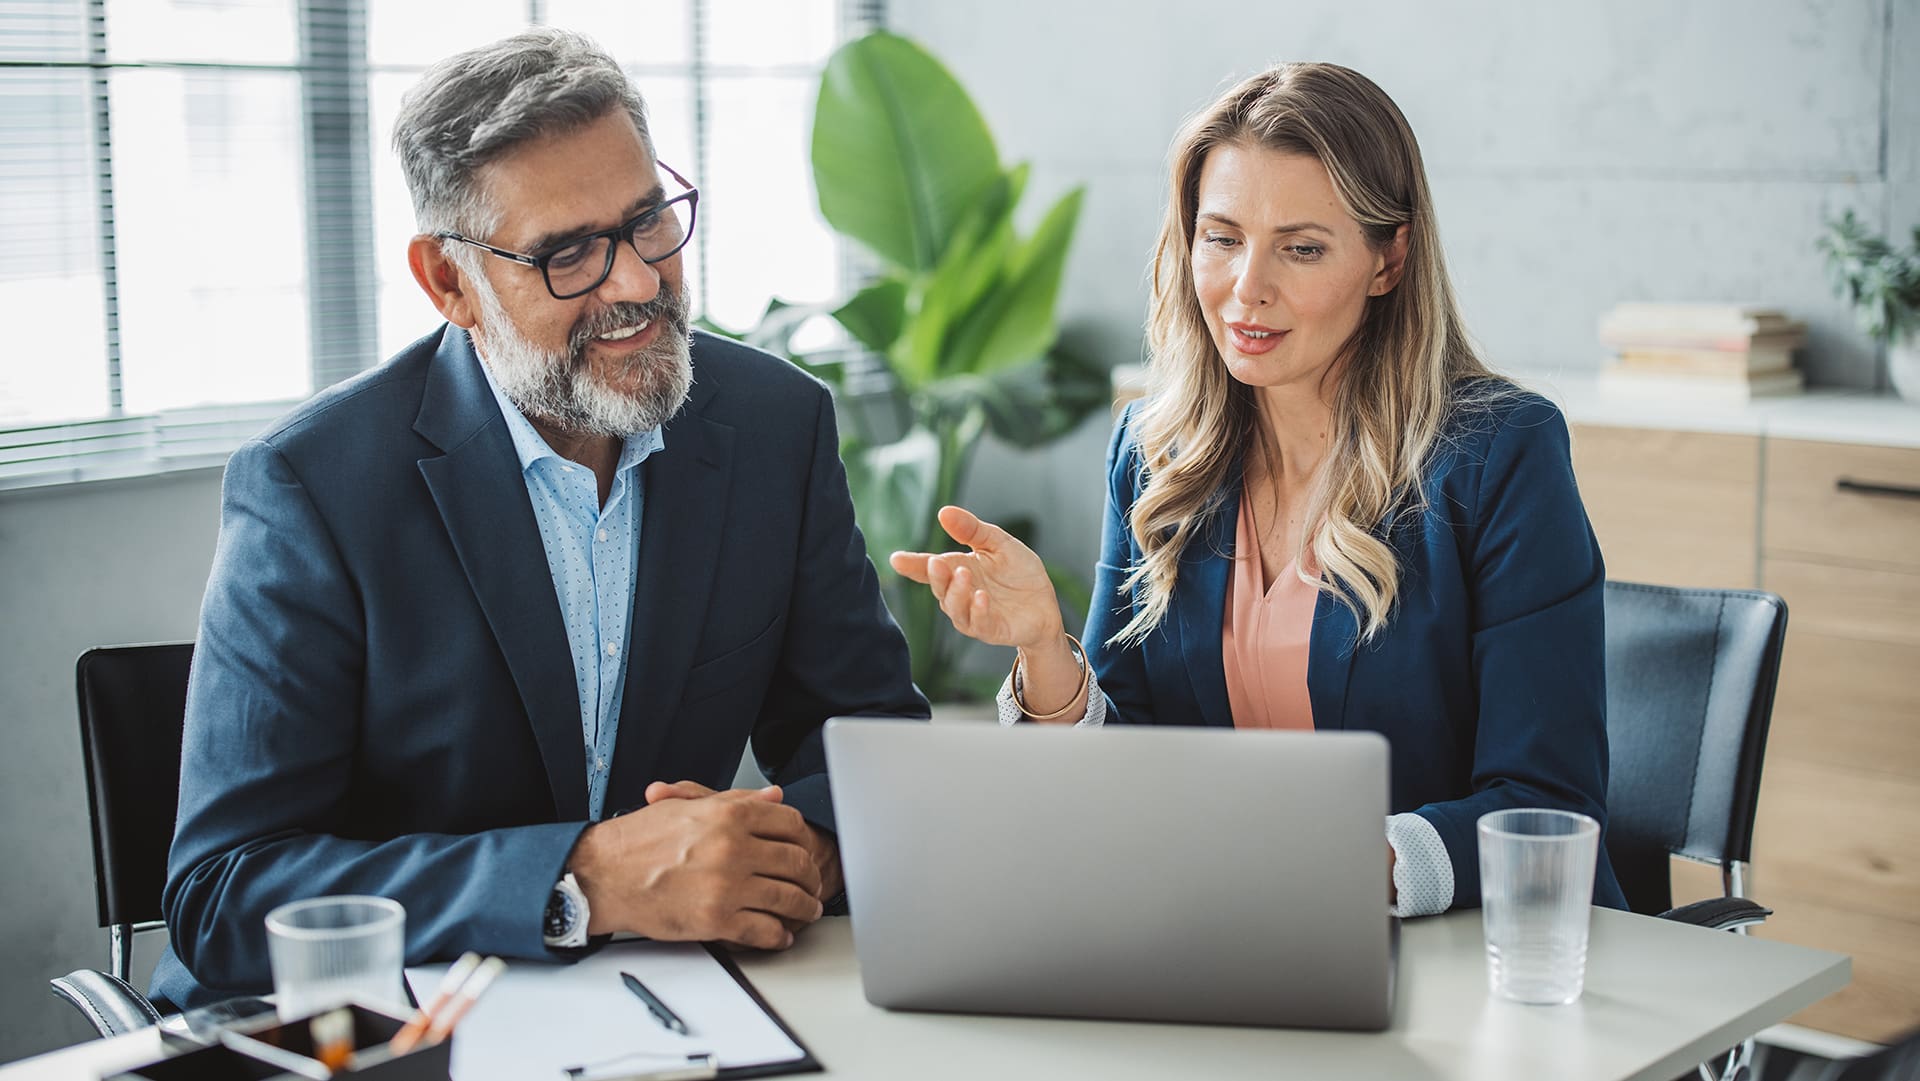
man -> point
(554, 562)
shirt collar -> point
(531, 447)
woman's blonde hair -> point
(1399, 374)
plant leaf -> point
(982, 245)
(1075, 593)
(900, 153)
(875, 314)
(892, 485)
(701, 322)
(1014, 321)
(917, 351)
(1028, 405)
(777, 326)
(1034, 404)
(1881, 284)
(973, 258)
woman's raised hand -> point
(998, 592)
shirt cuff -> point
(1096, 714)
(1422, 870)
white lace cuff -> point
(1422, 870)
(1096, 714)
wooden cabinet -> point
(1846, 702)
(1838, 834)
(1672, 507)
(1837, 839)
(1821, 502)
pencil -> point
(463, 1000)
(416, 1026)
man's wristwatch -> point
(566, 921)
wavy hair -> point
(1406, 366)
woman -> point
(1327, 513)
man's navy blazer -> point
(1488, 680)
(383, 699)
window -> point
(201, 221)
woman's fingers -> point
(971, 609)
(960, 523)
(910, 565)
(940, 572)
(992, 592)
(956, 599)
(975, 532)
(963, 526)
(982, 611)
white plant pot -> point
(1903, 366)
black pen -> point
(654, 1006)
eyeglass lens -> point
(580, 268)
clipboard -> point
(540, 1019)
(806, 1063)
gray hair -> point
(475, 107)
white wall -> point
(80, 566)
(1580, 154)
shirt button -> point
(566, 469)
(602, 534)
(612, 649)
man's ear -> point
(1393, 263)
(443, 281)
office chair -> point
(132, 709)
(1690, 681)
(1899, 1060)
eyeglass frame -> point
(623, 231)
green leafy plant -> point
(1881, 282)
(959, 323)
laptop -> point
(1150, 873)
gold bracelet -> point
(1086, 679)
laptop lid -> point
(1156, 873)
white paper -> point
(538, 1019)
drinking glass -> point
(328, 949)
(1536, 893)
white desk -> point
(1660, 997)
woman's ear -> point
(441, 279)
(1393, 262)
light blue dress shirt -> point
(592, 552)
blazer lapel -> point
(1330, 650)
(483, 500)
(685, 486)
(1200, 608)
(1200, 604)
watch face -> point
(558, 914)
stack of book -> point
(1711, 352)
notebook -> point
(1156, 873)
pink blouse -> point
(1265, 640)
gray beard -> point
(561, 390)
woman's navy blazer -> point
(1488, 679)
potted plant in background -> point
(1883, 285)
(958, 325)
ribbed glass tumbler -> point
(1536, 894)
(327, 950)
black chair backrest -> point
(1899, 1060)
(1690, 678)
(133, 703)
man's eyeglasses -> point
(578, 266)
